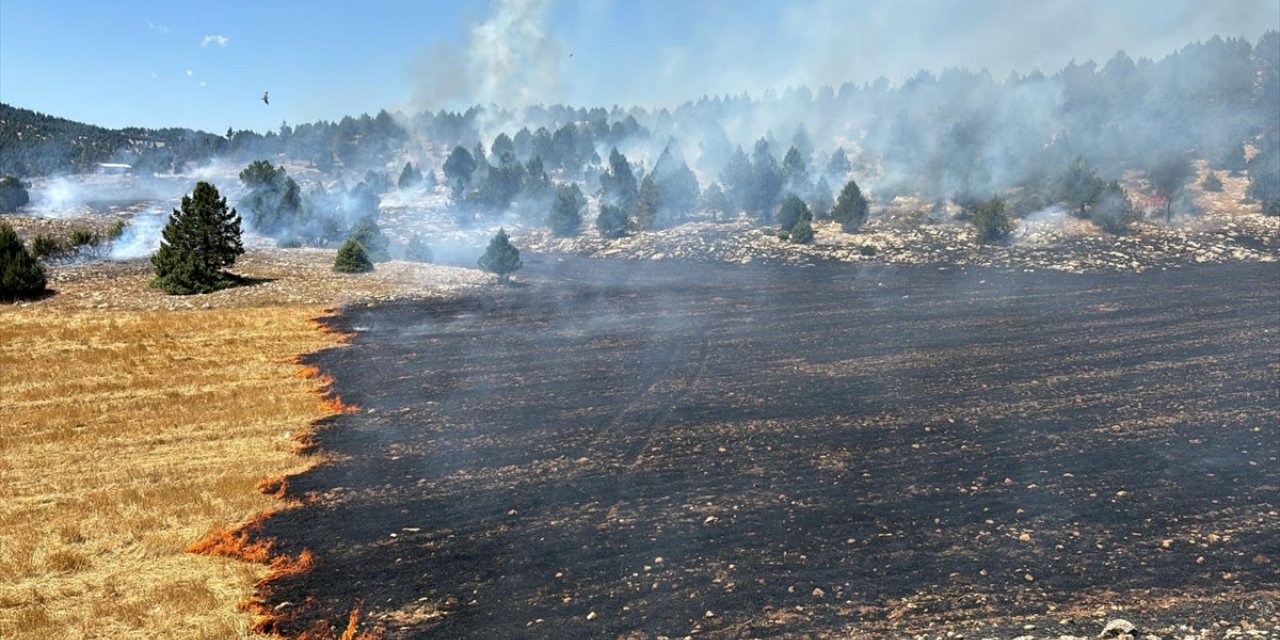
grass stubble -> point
(127, 436)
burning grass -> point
(126, 436)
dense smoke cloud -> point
(511, 59)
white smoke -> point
(141, 237)
(511, 60)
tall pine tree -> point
(202, 238)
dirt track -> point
(666, 449)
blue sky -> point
(205, 65)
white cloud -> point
(221, 41)
(190, 73)
(158, 28)
(202, 83)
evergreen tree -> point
(21, 275)
(201, 238)
(612, 221)
(1080, 187)
(565, 217)
(991, 221)
(838, 166)
(820, 201)
(1114, 212)
(370, 236)
(767, 183)
(737, 178)
(1264, 179)
(13, 194)
(851, 208)
(716, 202)
(417, 250)
(1167, 177)
(459, 168)
(352, 258)
(501, 257)
(274, 202)
(793, 168)
(792, 211)
(802, 233)
(648, 203)
(618, 183)
(410, 176)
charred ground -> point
(666, 449)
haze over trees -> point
(1054, 137)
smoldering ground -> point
(761, 451)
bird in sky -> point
(264, 98)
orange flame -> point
(246, 542)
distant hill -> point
(35, 144)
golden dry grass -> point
(124, 437)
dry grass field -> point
(126, 436)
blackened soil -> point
(625, 449)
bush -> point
(367, 232)
(851, 208)
(991, 221)
(501, 257)
(352, 258)
(43, 246)
(13, 194)
(83, 238)
(783, 234)
(792, 212)
(1114, 212)
(21, 276)
(417, 250)
(1211, 183)
(802, 233)
(612, 221)
(867, 250)
(565, 217)
(201, 238)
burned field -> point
(628, 449)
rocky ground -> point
(1058, 242)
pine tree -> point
(501, 257)
(612, 221)
(21, 275)
(370, 236)
(991, 221)
(565, 217)
(201, 238)
(352, 258)
(802, 232)
(851, 208)
(792, 211)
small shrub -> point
(417, 250)
(991, 221)
(115, 231)
(802, 233)
(867, 250)
(370, 236)
(352, 258)
(783, 234)
(21, 275)
(83, 238)
(1211, 183)
(43, 246)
